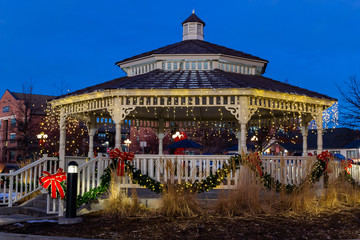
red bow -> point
(54, 180)
(346, 164)
(122, 157)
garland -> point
(320, 168)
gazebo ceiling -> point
(213, 79)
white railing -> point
(179, 168)
(89, 174)
(17, 185)
(285, 169)
(189, 168)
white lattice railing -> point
(16, 185)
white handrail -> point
(16, 185)
(89, 173)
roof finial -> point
(193, 12)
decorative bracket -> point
(243, 115)
(118, 114)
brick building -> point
(20, 117)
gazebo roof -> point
(193, 18)
(213, 79)
(194, 47)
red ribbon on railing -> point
(54, 181)
(346, 164)
(122, 157)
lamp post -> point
(71, 195)
(42, 137)
(127, 142)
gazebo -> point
(188, 82)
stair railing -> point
(16, 185)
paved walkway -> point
(19, 218)
(15, 236)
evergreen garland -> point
(319, 169)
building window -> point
(163, 65)
(206, 65)
(13, 122)
(175, 66)
(6, 109)
(187, 65)
(169, 65)
(193, 65)
(199, 65)
(12, 137)
(102, 136)
(12, 155)
(352, 154)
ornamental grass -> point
(177, 200)
(246, 198)
(341, 191)
(336, 194)
(119, 203)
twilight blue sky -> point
(63, 44)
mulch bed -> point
(339, 225)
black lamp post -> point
(71, 194)
(71, 191)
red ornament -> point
(54, 181)
(122, 157)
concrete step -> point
(39, 204)
(35, 207)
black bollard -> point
(71, 191)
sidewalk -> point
(19, 218)
(15, 236)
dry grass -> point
(246, 198)
(315, 199)
(119, 203)
(250, 197)
(177, 200)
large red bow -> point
(122, 157)
(54, 180)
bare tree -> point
(29, 111)
(350, 106)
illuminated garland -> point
(213, 180)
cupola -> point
(193, 28)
